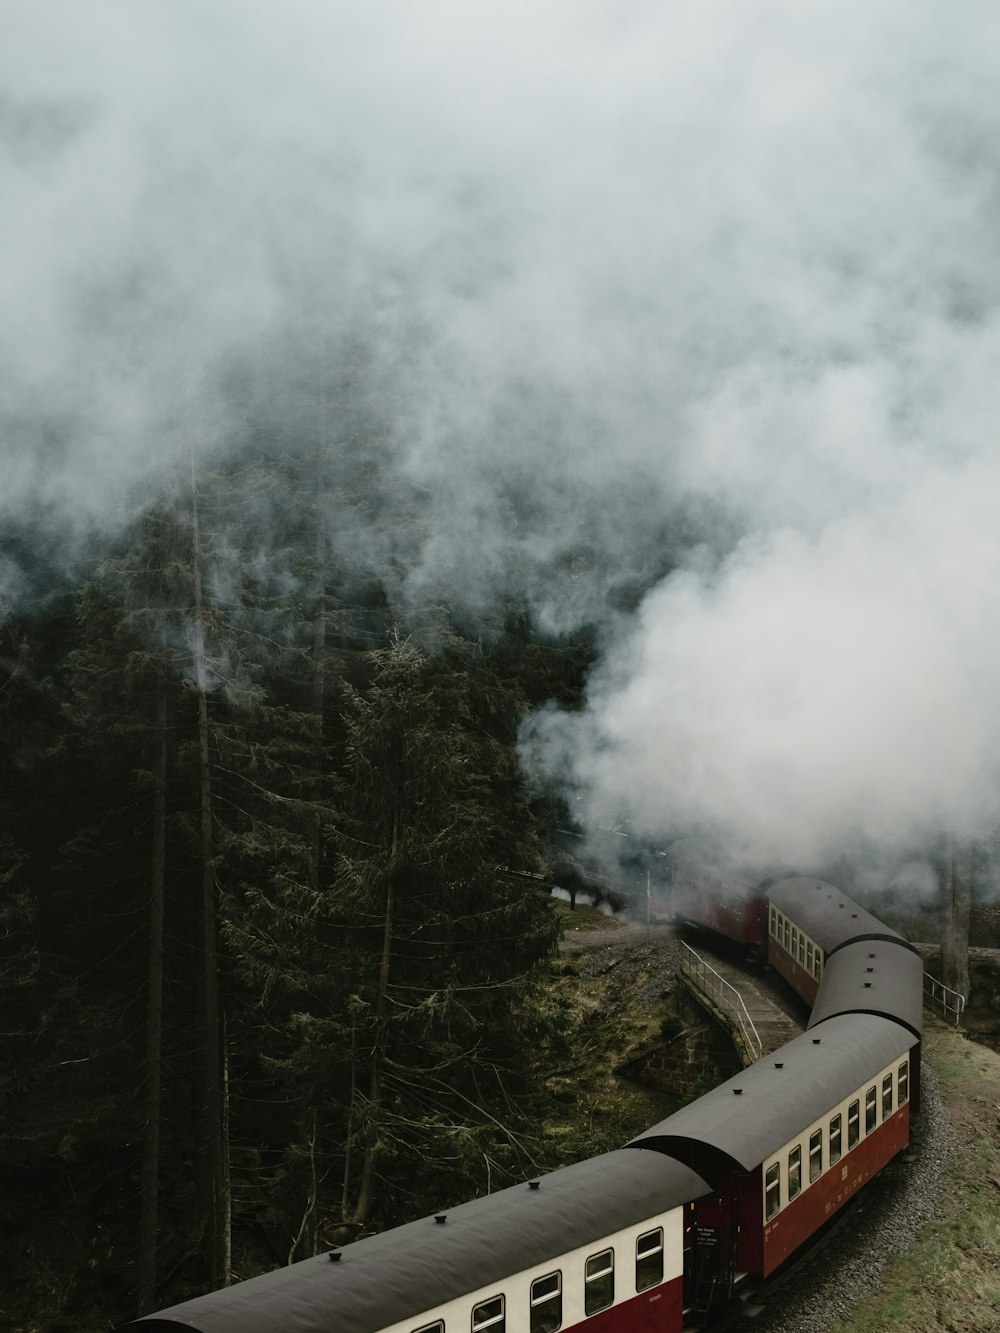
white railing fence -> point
(708, 981)
(949, 1001)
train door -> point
(710, 1261)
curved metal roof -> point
(778, 1098)
(872, 977)
(418, 1267)
(828, 916)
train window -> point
(818, 970)
(772, 1191)
(787, 935)
(599, 1286)
(489, 1314)
(903, 1077)
(738, 905)
(546, 1303)
(774, 921)
(887, 1097)
(794, 1172)
(870, 1112)
(853, 1124)
(802, 948)
(815, 1155)
(795, 941)
(835, 1125)
(649, 1259)
(809, 959)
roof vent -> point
(533, 1184)
(440, 1218)
(737, 1092)
(333, 1256)
(868, 985)
(816, 1041)
(779, 1064)
(854, 916)
(869, 969)
(871, 955)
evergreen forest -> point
(271, 918)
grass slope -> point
(950, 1280)
(612, 1009)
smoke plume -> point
(680, 320)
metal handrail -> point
(932, 986)
(701, 970)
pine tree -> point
(427, 830)
(128, 701)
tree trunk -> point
(319, 690)
(955, 874)
(154, 1024)
(211, 1157)
(312, 1214)
(367, 1188)
(225, 1178)
(308, 1235)
(345, 1198)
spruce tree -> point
(427, 831)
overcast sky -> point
(700, 287)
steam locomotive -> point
(653, 1236)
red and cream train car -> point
(598, 1246)
(786, 1143)
(707, 891)
(808, 920)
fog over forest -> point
(682, 320)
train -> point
(699, 1210)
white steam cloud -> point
(812, 695)
(693, 305)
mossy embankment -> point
(617, 1010)
(950, 1279)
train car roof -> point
(418, 1267)
(829, 917)
(872, 977)
(778, 1098)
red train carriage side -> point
(786, 1143)
(598, 1246)
(807, 921)
(707, 891)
